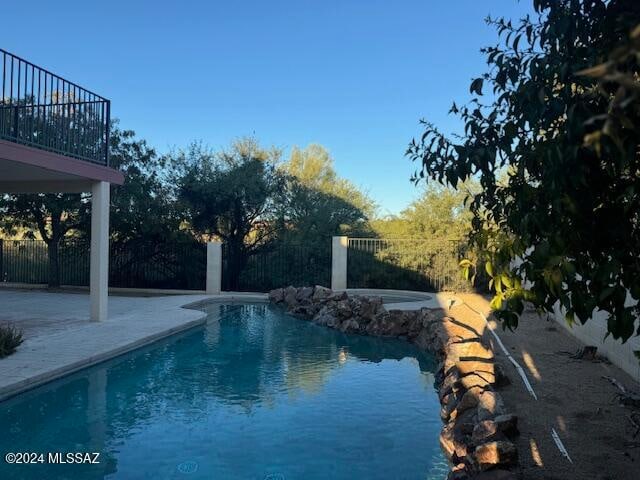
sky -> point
(355, 76)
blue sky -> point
(352, 75)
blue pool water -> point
(256, 394)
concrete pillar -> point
(214, 268)
(99, 275)
(339, 263)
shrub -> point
(10, 338)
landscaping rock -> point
(323, 316)
(303, 310)
(464, 424)
(470, 350)
(490, 405)
(304, 295)
(458, 472)
(449, 403)
(350, 326)
(337, 296)
(321, 293)
(290, 294)
(453, 443)
(448, 384)
(469, 400)
(472, 380)
(398, 323)
(496, 454)
(507, 424)
(343, 309)
(485, 431)
(369, 308)
(277, 295)
(482, 369)
(457, 331)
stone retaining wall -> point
(477, 429)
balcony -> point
(41, 110)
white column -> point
(99, 276)
(339, 263)
(214, 268)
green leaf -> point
(489, 268)
(476, 86)
(570, 317)
(606, 293)
(496, 302)
(516, 42)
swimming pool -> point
(253, 394)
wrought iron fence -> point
(282, 265)
(23, 261)
(45, 111)
(177, 265)
(405, 264)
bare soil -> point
(573, 398)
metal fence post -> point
(339, 247)
(214, 268)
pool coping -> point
(13, 384)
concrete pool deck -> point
(414, 300)
(60, 338)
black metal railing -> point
(282, 265)
(405, 264)
(171, 265)
(42, 110)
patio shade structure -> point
(54, 138)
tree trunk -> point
(237, 262)
(54, 263)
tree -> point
(52, 215)
(440, 213)
(230, 195)
(316, 202)
(144, 208)
(561, 122)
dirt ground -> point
(573, 398)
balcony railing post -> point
(14, 132)
(107, 135)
